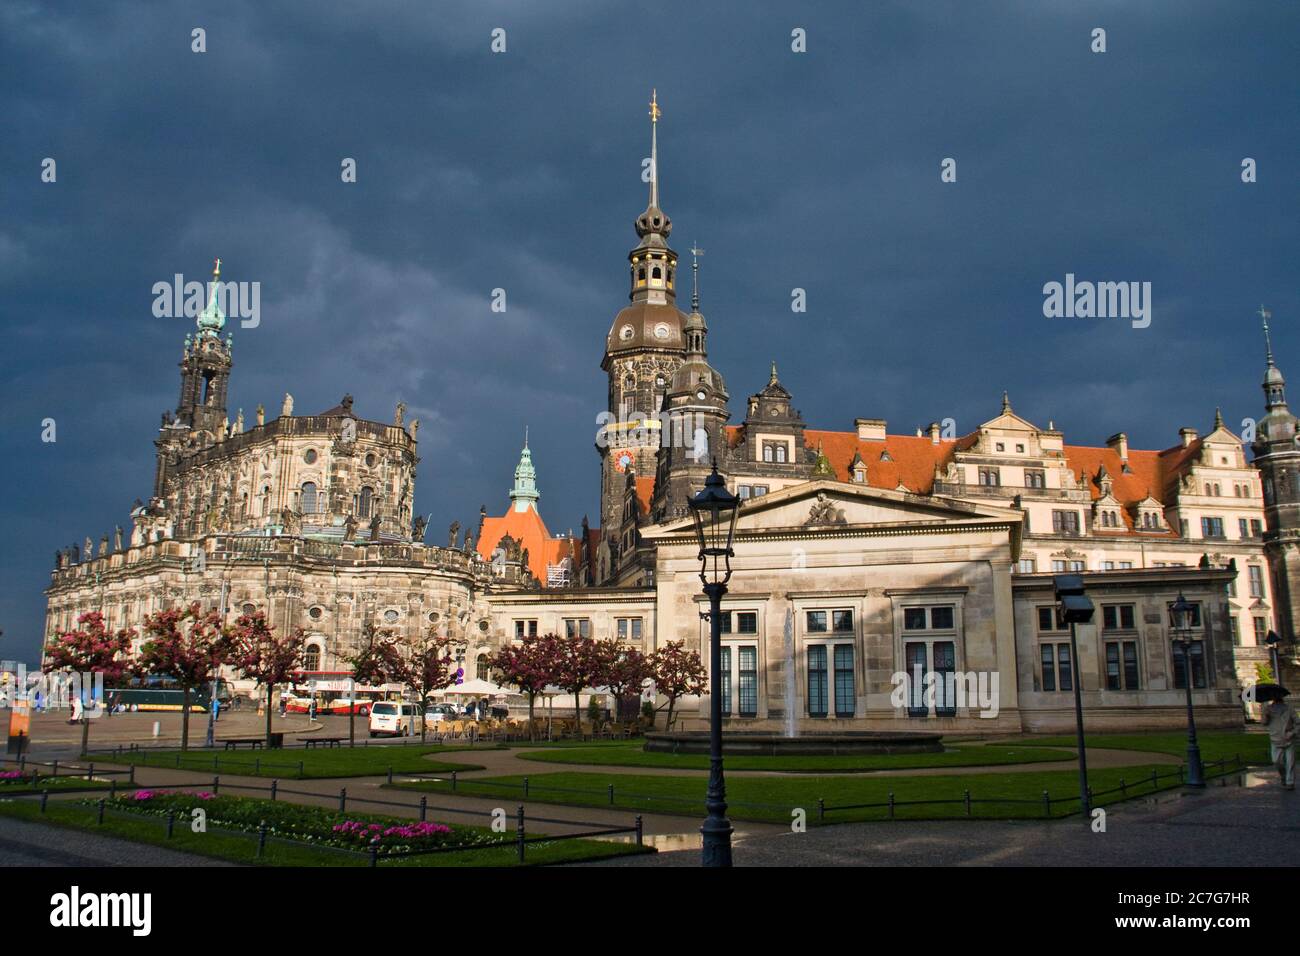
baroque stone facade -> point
(861, 556)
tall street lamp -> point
(714, 510)
(1182, 639)
(1076, 608)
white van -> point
(393, 718)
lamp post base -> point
(1195, 769)
(717, 841)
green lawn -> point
(9, 788)
(774, 798)
(242, 848)
(1214, 744)
(318, 762)
(630, 754)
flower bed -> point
(12, 778)
(315, 825)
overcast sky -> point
(521, 170)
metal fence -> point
(520, 840)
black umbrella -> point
(1267, 692)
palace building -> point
(861, 555)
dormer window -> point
(1000, 446)
(860, 474)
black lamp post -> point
(715, 510)
(1272, 641)
(1076, 608)
(1181, 611)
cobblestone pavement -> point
(38, 844)
(1221, 826)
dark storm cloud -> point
(521, 171)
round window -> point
(315, 613)
(433, 617)
(248, 609)
(390, 615)
(625, 333)
(701, 394)
(370, 460)
(309, 456)
(661, 330)
(483, 625)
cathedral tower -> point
(645, 346)
(205, 375)
(694, 418)
(1277, 456)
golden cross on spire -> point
(655, 111)
(216, 268)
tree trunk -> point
(270, 692)
(577, 712)
(672, 702)
(185, 720)
(532, 733)
(352, 712)
(423, 705)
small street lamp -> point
(1181, 612)
(1076, 608)
(1272, 640)
(715, 509)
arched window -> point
(308, 497)
(657, 273)
(265, 504)
(640, 274)
(243, 505)
(780, 453)
(311, 658)
(481, 667)
(768, 453)
(364, 501)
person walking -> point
(1280, 721)
(216, 710)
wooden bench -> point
(234, 743)
(310, 742)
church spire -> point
(1274, 384)
(524, 494)
(653, 264)
(212, 320)
(696, 252)
(655, 113)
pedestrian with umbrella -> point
(1281, 722)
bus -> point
(159, 692)
(334, 693)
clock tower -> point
(645, 346)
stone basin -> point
(811, 744)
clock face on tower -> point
(623, 460)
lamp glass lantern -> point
(715, 510)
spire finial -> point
(772, 380)
(1218, 418)
(216, 268)
(695, 277)
(1265, 314)
(1006, 403)
(212, 320)
(525, 436)
(655, 113)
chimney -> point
(1188, 435)
(934, 432)
(870, 429)
(1119, 443)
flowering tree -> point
(426, 666)
(376, 661)
(528, 665)
(264, 657)
(188, 645)
(92, 648)
(578, 664)
(624, 670)
(677, 672)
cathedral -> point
(864, 559)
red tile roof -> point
(528, 527)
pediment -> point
(829, 505)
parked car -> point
(437, 713)
(393, 718)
